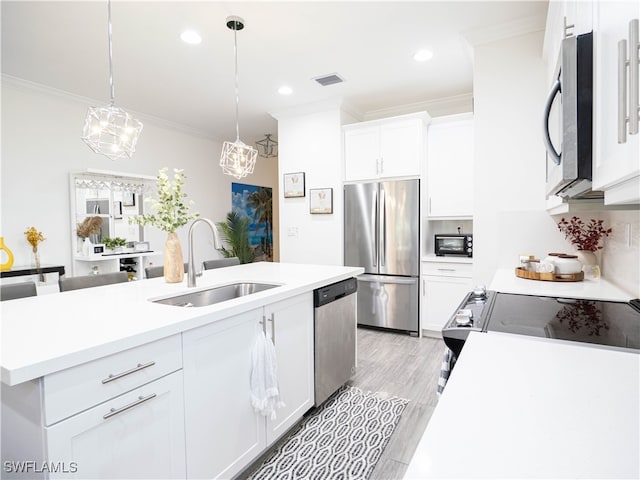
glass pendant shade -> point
(111, 131)
(238, 159)
(267, 147)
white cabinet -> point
(134, 263)
(392, 147)
(450, 167)
(616, 165)
(444, 285)
(291, 324)
(120, 416)
(223, 433)
(137, 435)
(564, 18)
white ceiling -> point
(370, 44)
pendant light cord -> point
(112, 88)
(235, 53)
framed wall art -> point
(294, 185)
(321, 200)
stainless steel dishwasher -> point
(335, 336)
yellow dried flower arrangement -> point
(34, 237)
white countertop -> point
(451, 259)
(505, 281)
(45, 334)
(524, 407)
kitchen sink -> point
(210, 296)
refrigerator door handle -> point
(383, 230)
(374, 222)
(384, 279)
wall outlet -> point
(292, 232)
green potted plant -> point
(235, 233)
(116, 244)
(172, 212)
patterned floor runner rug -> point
(342, 440)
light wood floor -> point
(406, 367)
(397, 365)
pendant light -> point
(237, 159)
(267, 147)
(109, 130)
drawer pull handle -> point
(116, 411)
(140, 366)
(446, 269)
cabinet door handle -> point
(272, 319)
(424, 287)
(622, 91)
(141, 366)
(116, 411)
(628, 101)
(634, 74)
(381, 165)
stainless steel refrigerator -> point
(382, 235)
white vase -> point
(590, 265)
(87, 247)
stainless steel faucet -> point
(191, 272)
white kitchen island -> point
(104, 383)
(527, 407)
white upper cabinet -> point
(392, 147)
(564, 19)
(450, 167)
(616, 153)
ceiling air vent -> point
(329, 79)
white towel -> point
(265, 393)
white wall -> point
(310, 141)
(41, 145)
(510, 210)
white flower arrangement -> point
(172, 212)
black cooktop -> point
(614, 324)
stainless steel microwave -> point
(568, 121)
(453, 244)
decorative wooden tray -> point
(550, 277)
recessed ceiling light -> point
(285, 90)
(189, 36)
(423, 55)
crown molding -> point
(308, 108)
(438, 107)
(28, 85)
(521, 26)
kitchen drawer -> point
(75, 389)
(139, 434)
(448, 269)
